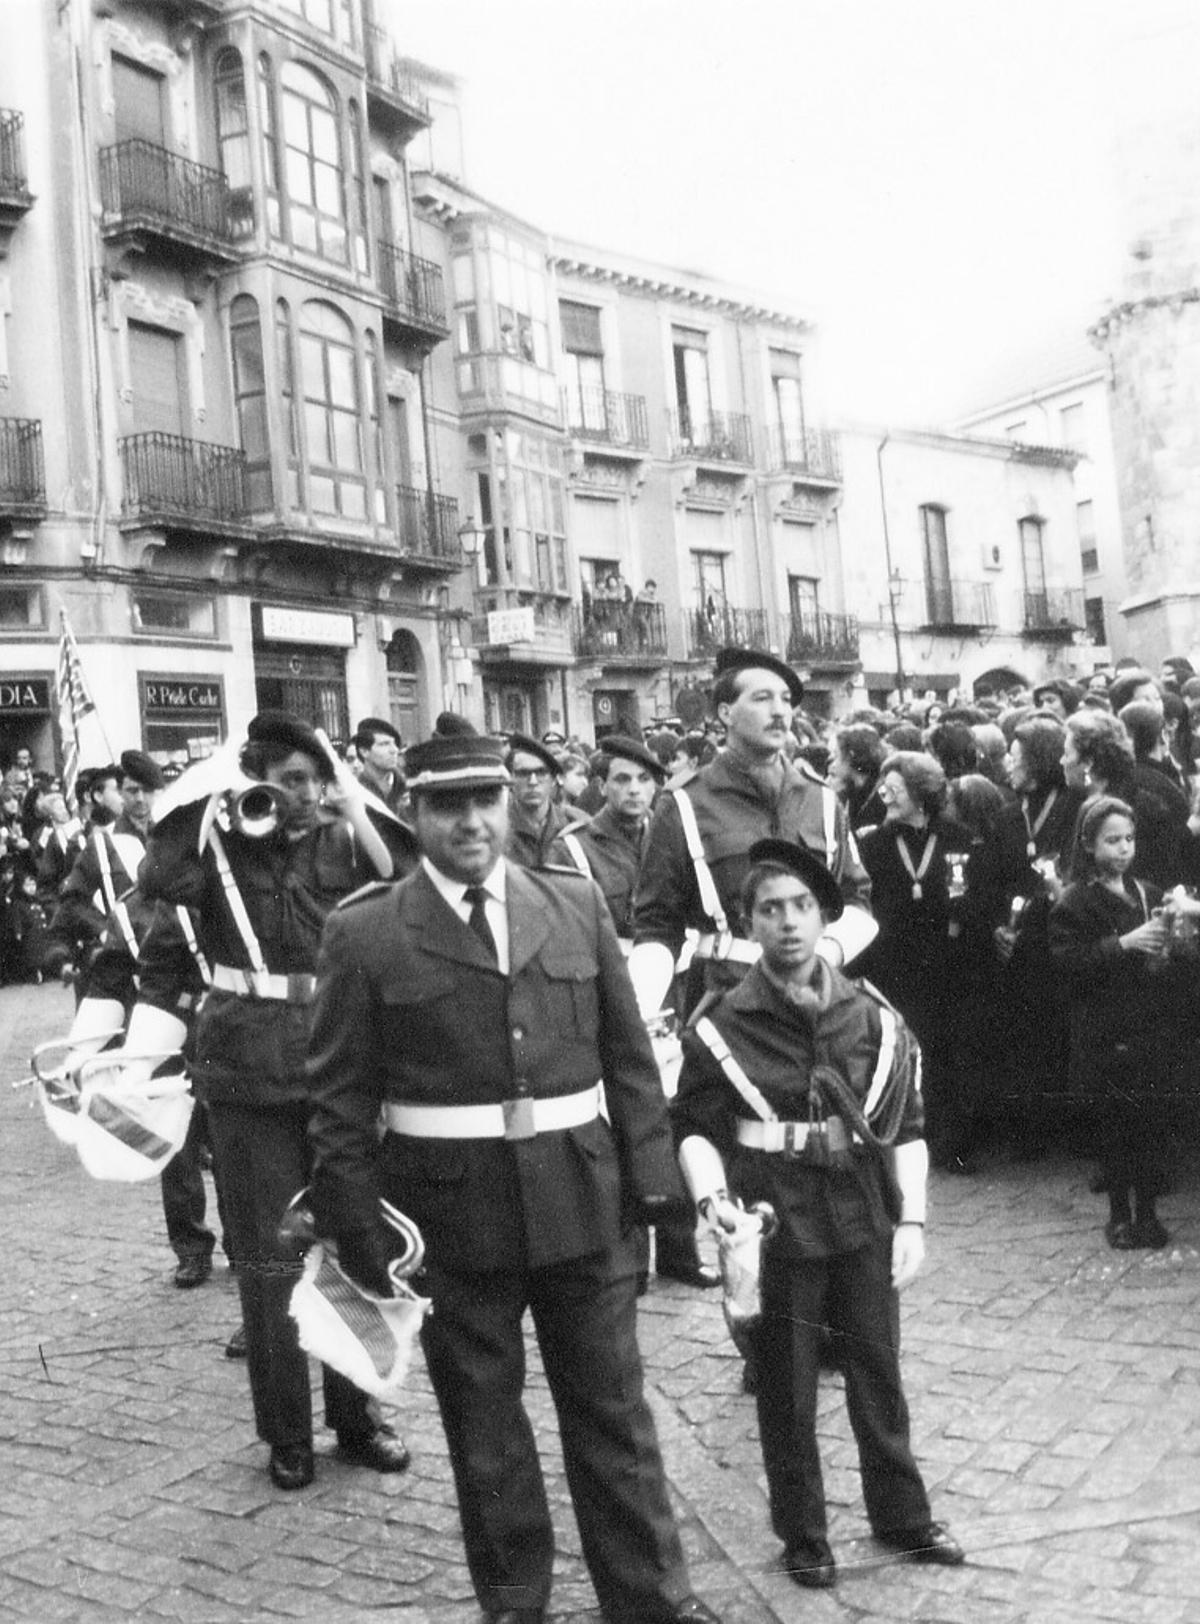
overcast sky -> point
(930, 179)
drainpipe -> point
(887, 554)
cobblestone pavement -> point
(1055, 1389)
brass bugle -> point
(253, 811)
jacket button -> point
(520, 1085)
(518, 1033)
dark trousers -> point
(585, 1316)
(184, 1198)
(264, 1159)
(853, 1295)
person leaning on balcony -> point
(644, 606)
(538, 822)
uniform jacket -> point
(537, 848)
(822, 1210)
(248, 1051)
(83, 908)
(732, 813)
(614, 860)
(411, 1008)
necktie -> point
(475, 895)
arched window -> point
(250, 398)
(332, 412)
(313, 160)
(358, 171)
(233, 123)
(286, 378)
(270, 141)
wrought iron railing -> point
(959, 603)
(168, 476)
(1054, 611)
(22, 470)
(609, 629)
(551, 621)
(413, 287)
(144, 183)
(718, 626)
(608, 417)
(711, 436)
(428, 524)
(13, 179)
(807, 451)
(387, 70)
(817, 636)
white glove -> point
(652, 970)
(702, 1168)
(152, 1035)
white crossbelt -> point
(514, 1119)
(728, 947)
(293, 989)
(790, 1136)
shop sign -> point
(281, 625)
(21, 696)
(510, 626)
(181, 696)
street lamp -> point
(471, 536)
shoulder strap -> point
(189, 934)
(107, 889)
(236, 906)
(709, 899)
(121, 914)
(720, 1051)
(883, 1065)
(574, 846)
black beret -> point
(618, 744)
(142, 769)
(455, 761)
(290, 733)
(376, 724)
(450, 723)
(801, 862)
(754, 659)
(531, 747)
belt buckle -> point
(299, 988)
(518, 1119)
(793, 1146)
(258, 982)
(722, 945)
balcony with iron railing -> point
(952, 606)
(711, 437)
(808, 453)
(427, 524)
(630, 633)
(15, 197)
(183, 484)
(819, 638)
(607, 419)
(718, 626)
(1054, 614)
(414, 294)
(149, 194)
(22, 470)
(522, 626)
(394, 96)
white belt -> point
(728, 947)
(513, 1119)
(293, 989)
(790, 1136)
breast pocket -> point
(417, 1011)
(571, 999)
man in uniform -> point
(695, 857)
(250, 901)
(795, 1088)
(496, 1146)
(612, 848)
(378, 745)
(537, 821)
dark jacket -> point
(539, 848)
(822, 1210)
(732, 812)
(411, 1009)
(614, 860)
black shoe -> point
(1118, 1232)
(811, 1566)
(1150, 1232)
(688, 1274)
(933, 1544)
(381, 1450)
(235, 1348)
(291, 1466)
(193, 1271)
(691, 1610)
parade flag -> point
(74, 703)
